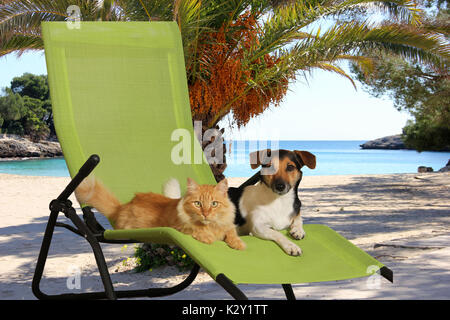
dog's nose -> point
(280, 187)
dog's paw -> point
(291, 249)
(297, 233)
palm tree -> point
(241, 55)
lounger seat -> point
(326, 256)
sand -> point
(403, 220)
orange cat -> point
(205, 212)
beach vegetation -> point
(25, 107)
(149, 256)
(421, 90)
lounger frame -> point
(90, 229)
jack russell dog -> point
(273, 204)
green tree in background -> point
(11, 109)
(31, 85)
(25, 107)
(421, 90)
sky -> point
(325, 107)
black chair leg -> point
(103, 269)
(230, 287)
(62, 204)
(43, 255)
(97, 250)
(288, 291)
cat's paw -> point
(203, 238)
(237, 244)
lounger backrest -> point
(119, 90)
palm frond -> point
(349, 42)
(364, 63)
(358, 38)
(405, 11)
(333, 68)
(20, 43)
(285, 22)
(19, 18)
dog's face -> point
(281, 169)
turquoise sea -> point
(333, 158)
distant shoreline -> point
(393, 142)
(339, 157)
(29, 158)
(18, 148)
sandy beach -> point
(403, 220)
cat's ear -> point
(222, 186)
(191, 185)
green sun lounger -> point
(119, 92)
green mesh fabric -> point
(119, 90)
(326, 256)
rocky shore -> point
(394, 142)
(14, 147)
(446, 168)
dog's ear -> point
(307, 158)
(260, 157)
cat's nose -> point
(205, 213)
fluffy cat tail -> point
(93, 193)
(171, 189)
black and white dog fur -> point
(273, 204)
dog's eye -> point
(214, 204)
(198, 204)
(290, 167)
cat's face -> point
(207, 203)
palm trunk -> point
(217, 167)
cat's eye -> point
(214, 204)
(198, 204)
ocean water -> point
(338, 157)
(333, 158)
(55, 167)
